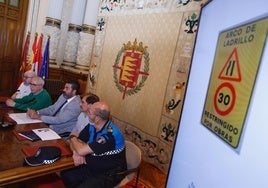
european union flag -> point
(45, 62)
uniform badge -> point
(109, 129)
(101, 140)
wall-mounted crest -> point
(134, 68)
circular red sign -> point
(232, 98)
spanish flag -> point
(23, 66)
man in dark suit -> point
(62, 115)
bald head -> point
(27, 76)
(30, 73)
(38, 80)
(102, 110)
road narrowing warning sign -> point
(235, 67)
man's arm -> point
(14, 95)
(67, 113)
(78, 160)
(79, 147)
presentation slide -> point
(222, 140)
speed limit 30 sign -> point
(232, 79)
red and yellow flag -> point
(37, 59)
(23, 66)
(31, 58)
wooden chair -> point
(54, 88)
(83, 86)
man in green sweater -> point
(38, 98)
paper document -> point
(23, 118)
(46, 134)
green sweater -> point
(34, 101)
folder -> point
(30, 135)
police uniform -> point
(108, 145)
(108, 156)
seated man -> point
(62, 115)
(83, 119)
(24, 88)
(98, 150)
(37, 99)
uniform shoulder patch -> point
(109, 129)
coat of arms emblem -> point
(134, 68)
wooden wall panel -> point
(12, 24)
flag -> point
(45, 61)
(38, 55)
(31, 58)
(23, 66)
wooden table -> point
(12, 168)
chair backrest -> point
(83, 86)
(54, 88)
(133, 156)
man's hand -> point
(10, 102)
(78, 159)
(33, 114)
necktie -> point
(60, 108)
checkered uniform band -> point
(113, 152)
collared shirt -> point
(82, 121)
(23, 91)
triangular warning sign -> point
(231, 69)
